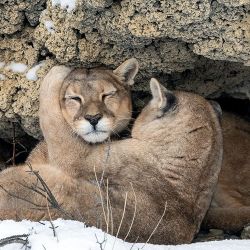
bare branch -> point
(15, 239)
(107, 199)
(102, 202)
(134, 242)
(133, 219)
(13, 144)
(111, 217)
(14, 147)
(21, 198)
(101, 243)
(105, 162)
(123, 213)
(46, 192)
(50, 219)
(165, 208)
(32, 188)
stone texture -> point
(245, 234)
(213, 234)
(234, 3)
(200, 46)
(13, 13)
(214, 79)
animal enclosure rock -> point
(14, 13)
(202, 46)
(245, 234)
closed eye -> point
(112, 93)
(75, 98)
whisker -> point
(125, 118)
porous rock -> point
(14, 12)
(201, 46)
(245, 234)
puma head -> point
(96, 103)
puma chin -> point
(96, 103)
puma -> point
(168, 169)
(97, 104)
(230, 207)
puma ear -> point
(158, 93)
(127, 71)
(163, 98)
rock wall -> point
(197, 45)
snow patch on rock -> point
(2, 64)
(65, 4)
(49, 26)
(2, 77)
(31, 74)
(17, 67)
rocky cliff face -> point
(197, 45)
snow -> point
(65, 4)
(17, 67)
(49, 26)
(31, 74)
(74, 235)
(2, 77)
(21, 68)
(2, 64)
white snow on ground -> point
(65, 4)
(17, 67)
(49, 26)
(74, 235)
(31, 74)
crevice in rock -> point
(240, 107)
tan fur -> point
(39, 155)
(100, 91)
(172, 157)
(230, 207)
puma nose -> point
(93, 119)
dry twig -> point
(14, 147)
(102, 202)
(134, 243)
(107, 201)
(101, 243)
(133, 219)
(13, 144)
(15, 239)
(123, 213)
(21, 198)
(165, 208)
(44, 191)
(50, 219)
